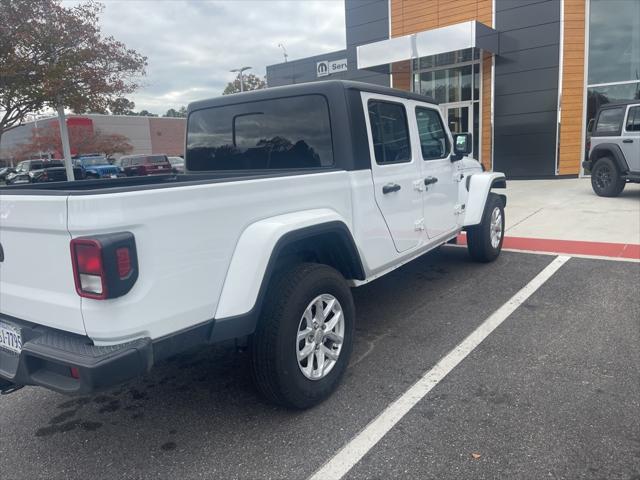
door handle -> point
(430, 180)
(390, 187)
(628, 140)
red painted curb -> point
(598, 249)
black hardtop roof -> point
(619, 103)
(139, 155)
(326, 87)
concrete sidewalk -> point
(568, 209)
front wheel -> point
(606, 180)
(303, 342)
(484, 241)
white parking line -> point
(358, 447)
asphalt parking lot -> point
(553, 392)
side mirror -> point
(462, 144)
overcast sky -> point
(192, 45)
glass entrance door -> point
(458, 119)
(463, 118)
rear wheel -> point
(484, 241)
(303, 342)
(606, 179)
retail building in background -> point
(524, 76)
(146, 135)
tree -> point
(250, 82)
(145, 113)
(122, 106)
(51, 55)
(180, 113)
(83, 139)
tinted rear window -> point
(609, 122)
(285, 133)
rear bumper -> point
(48, 356)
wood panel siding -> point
(413, 16)
(486, 133)
(572, 93)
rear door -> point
(439, 174)
(631, 138)
(395, 169)
(36, 276)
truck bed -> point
(186, 228)
(128, 184)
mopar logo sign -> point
(322, 68)
(326, 67)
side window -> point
(633, 120)
(389, 131)
(609, 122)
(434, 142)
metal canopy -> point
(430, 42)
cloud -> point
(192, 45)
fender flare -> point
(479, 185)
(254, 261)
(609, 149)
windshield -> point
(176, 160)
(93, 161)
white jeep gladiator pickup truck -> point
(291, 196)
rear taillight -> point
(88, 270)
(104, 266)
(124, 262)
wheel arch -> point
(609, 150)
(479, 185)
(270, 245)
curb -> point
(570, 247)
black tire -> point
(274, 363)
(479, 236)
(606, 179)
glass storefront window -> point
(614, 41)
(598, 96)
(453, 80)
(476, 81)
(440, 86)
(444, 59)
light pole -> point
(284, 52)
(239, 72)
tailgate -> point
(36, 277)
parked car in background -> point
(177, 163)
(4, 171)
(614, 157)
(140, 165)
(34, 171)
(97, 166)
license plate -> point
(10, 338)
(113, 175)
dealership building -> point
(524, 76)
